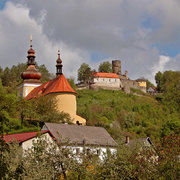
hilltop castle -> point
(115, 80)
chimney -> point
(127, 140)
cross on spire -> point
(59, 65)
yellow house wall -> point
(142, 83)
(67, 103)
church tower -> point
(60, 90)
(31, 77)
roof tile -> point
(58, 84)
(96, 136)
(106, 75)
(21, 137)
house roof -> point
(138, 142)
(106, 75)
(151, 89)
(57, 85)
(21, 137)
(141, 79)
(81, 135)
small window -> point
(77, 150)
(88, 151)
(98, 152)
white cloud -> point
(111, 28)
(16, 25)
(160, 65)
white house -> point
(26, 139)
(93, 139)
(110, 80)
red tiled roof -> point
(58, 84)
(106, 75)
(21, 137)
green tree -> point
(149, 84)
(7, 108)
(169, 127)
(44, 72)
(105, 67)
(171, 88)
(72, 83)
(84, 73)
(41, 109)
(1, 72)
(6, 78)
(159, 80)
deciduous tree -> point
(105, 67)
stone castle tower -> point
(116, 66)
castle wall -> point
(128, 84)
(103, 86)
(115, 82)
(106, 83)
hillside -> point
(136, 115)
(121, 114)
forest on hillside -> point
(136, 114)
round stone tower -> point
(116, 66)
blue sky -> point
(144, 34)
(2, 4)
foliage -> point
(139, 115)
(10, 164)
(168, 162)
(171, 88)
(7, 109)
(41, 109)
(149, 84)
(138, 91)
(85, 73)
(72, 84)
(11, 77)
(50, 160)
(159, 80)
(105, 67)
(169, 127)
(46, 76)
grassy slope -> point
(118, 112)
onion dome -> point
(59, 65)
(31, 73)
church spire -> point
(59, 65)
(31, 73)
(31, 54)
